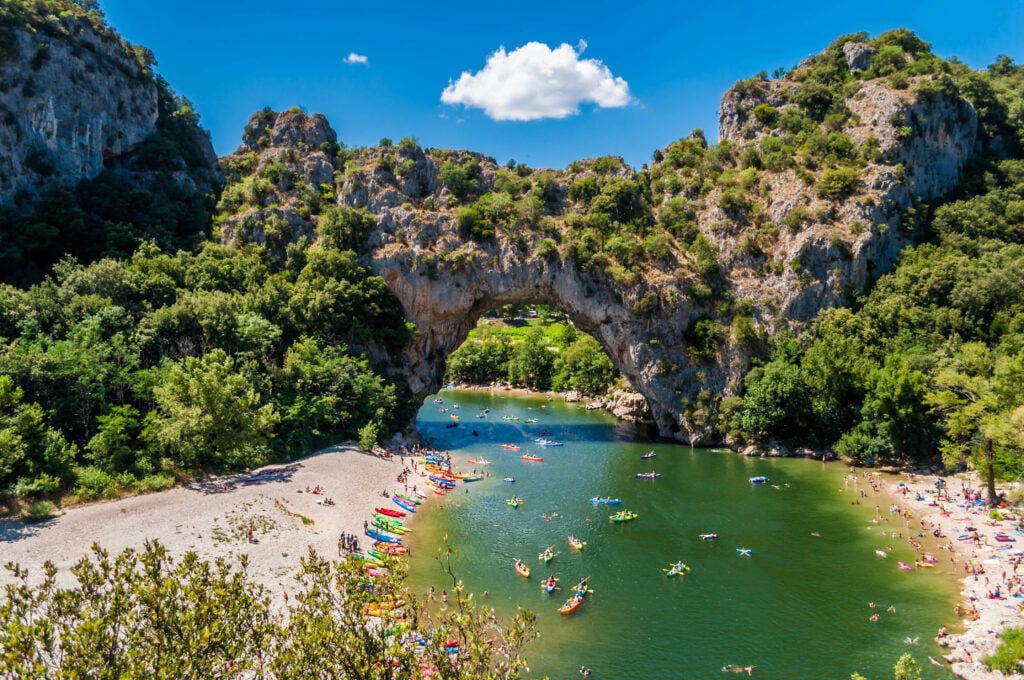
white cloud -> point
(535, 81)
(354, 58)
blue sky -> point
(646, 72)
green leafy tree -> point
(977, 395)
(209, 414)
(584, 366)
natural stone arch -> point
(446, 305)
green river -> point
(796, 607)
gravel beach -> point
(213, 517)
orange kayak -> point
(571, 605)
(521, 569)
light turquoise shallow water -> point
(797, 607)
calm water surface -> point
(797, 607)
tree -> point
(906, 668)
(146, 614)
(209, 414)
(977, 395)
(531, 364)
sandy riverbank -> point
(212, 517)
(978, 617)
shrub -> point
(1008, 655)
(838, 182)
(765, 114)
(93, 484)
(40, 511)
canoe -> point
(707, 537)
(474, 478)
(388, 521)
(576, 544)
(389, 512)
(479, 461)
(607, 501)
(533, 458)
(624, 516)
(648, 455)
(760, 479)
(414, 501)
(510, 480)
(648, 475)
(510, 417)
(511, 447)
(521, 569)
(571, 605)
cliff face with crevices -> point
(71, 98)
(723, 245)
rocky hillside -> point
(97, 154)
(680, 270)
(72, 96)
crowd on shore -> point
(949, 514)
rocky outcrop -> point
(293, 159)
(628, 406)
(790, 252)
(72, 99)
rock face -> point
(424, 207)
(294, 156)
(72, 99)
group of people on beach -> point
(348, 543)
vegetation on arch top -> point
(814, 161)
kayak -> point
(648, 475)
(551, 585)
(390, 548)
(514, 502)
(649, 454)
(707, 537)
(381, 535)
(676, 569)
(571, 605)
(576, 544)
(521, 569)
(474, 478)
(623, 516)
(607, 501)
(548, 555)
(479, 461)
(533, 458)
(405, 505)
(414, 501)
(389, 512)
(511, 447)
(389, 527)
(389, 523)
(510, 480)
(761, 479)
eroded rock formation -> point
(780, 254)
(72, 99)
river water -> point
(796, 607)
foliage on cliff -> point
(146, 614)
(932, 358)
(127, 373)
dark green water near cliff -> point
(797, 607)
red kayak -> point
(389, 512)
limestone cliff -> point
(72, 97)
(679, 270)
